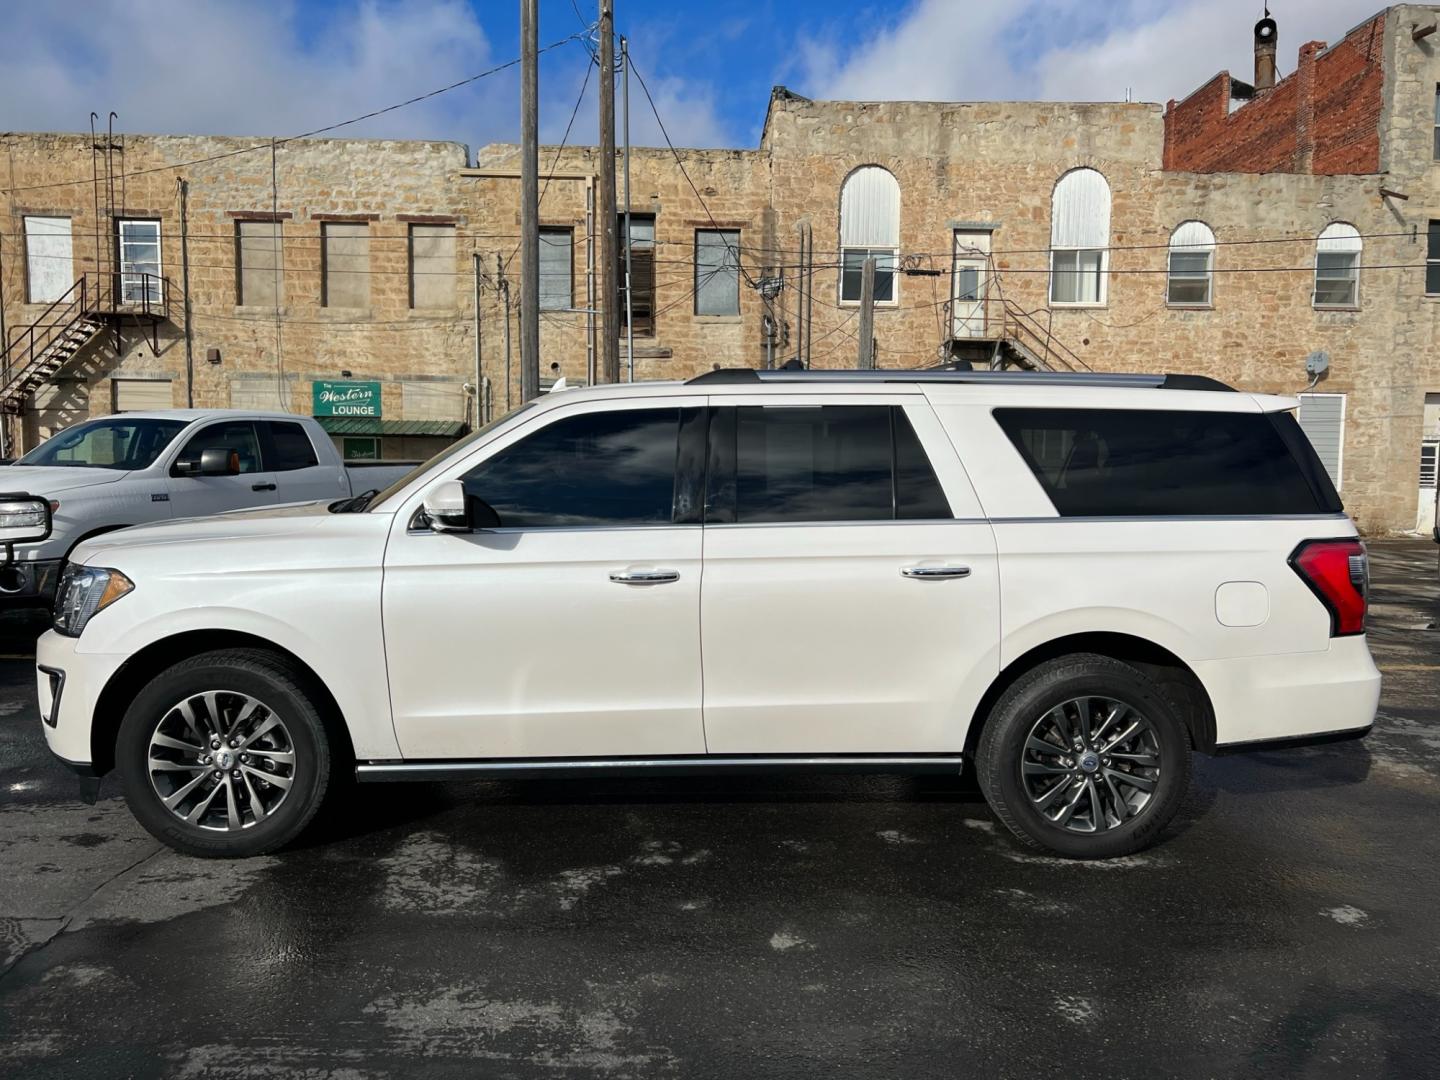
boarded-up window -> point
(557, 248)
(432, 266)
(1322, 418)
(642, 271)
(49, 262)
(257, 250)
(142, 395)
(717, 272)
(345, 275)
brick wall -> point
(1323, 118)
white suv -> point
(1070, 581)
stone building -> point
(1232, 233)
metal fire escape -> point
(117, 291)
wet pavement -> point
(755, 927)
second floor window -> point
(1337, 267)
(869, 229)
(717, 271)
(260, 281)
(345, 264)
(1190, 271)
(642, 271)
(557, 269)
(1079, 238)
(1432, 259)
(432, 266)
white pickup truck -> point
(135, 468)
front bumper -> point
(68, 685)
(29, 583)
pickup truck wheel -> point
(1085, 756)
(224, 754)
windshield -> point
(116, 442)
(444, 455)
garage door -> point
(1322, 418)
(142, 395)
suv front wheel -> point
(1085, 756)
(225, 754)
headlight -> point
(83, 591)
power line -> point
(305, 134)
(685, 173)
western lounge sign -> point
(346, 399)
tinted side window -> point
(602, 468)
(813, 463)
(237, 435)
(290, 446)
(918, 494)
(1142, 462)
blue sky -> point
(284, 66)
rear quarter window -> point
(1155, 462)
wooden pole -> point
(609, 268)
(529, 201)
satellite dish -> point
(1317, 363)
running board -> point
(496, 768)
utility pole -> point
(625, 115)
(867, 316)
(505, 299)
(529, 201)
(609, 285)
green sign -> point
(346, 399)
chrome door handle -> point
(644, 577)
(930, 572)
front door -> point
(571, 628)
(139, 244)
(199, 496)
(851, 593)
(969, 284)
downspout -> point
(184, 187)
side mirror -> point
(24, 519)
(444, 506)
(219, 461)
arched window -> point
(1079, 238)
(869, 228)
(1192, 265)
(1337, 267)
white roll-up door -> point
(143, 395)
(1322, 418)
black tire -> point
(1051, 686)
(272, 681)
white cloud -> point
(942, 50)
(223, 67)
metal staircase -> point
(37, 353)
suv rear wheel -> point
(1084, 756)
(225, 754)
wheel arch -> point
(154, 658)
(1175, 676)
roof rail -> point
(749, 376)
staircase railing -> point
(26, 343)
(1039, 338)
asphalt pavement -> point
(751, 928)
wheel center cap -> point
(224, 758)
(1089, 761)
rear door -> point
(198, 496)
(297, 466)
(850, 601)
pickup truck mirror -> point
(24, 519)
(214, 461)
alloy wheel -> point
(1091, 764)
(221, 760)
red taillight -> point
(1338, 572)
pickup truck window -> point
(1168, 463)
(600, 468)
(112, 443)
(237, 435)
(289, 448)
